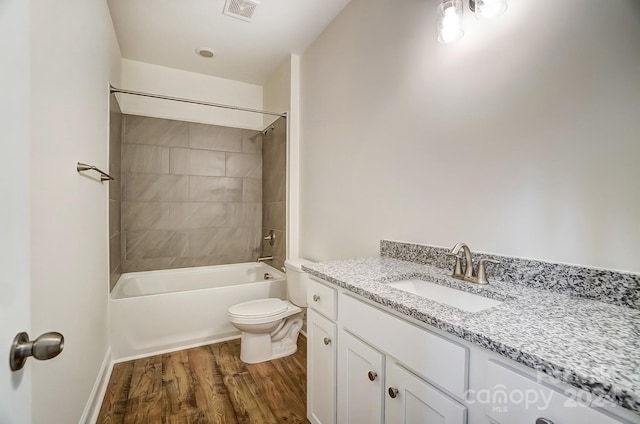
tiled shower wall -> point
(115, 147)
(192, 194)
(274, 180)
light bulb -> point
(450, 21)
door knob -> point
(47, 346)
(543, 421)
(326, 340)
(393, 392)
(316, 298)
(372, 375)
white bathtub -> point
(159, 311)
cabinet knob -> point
(372, 375)
(393, 392)
(316, 297)
(543, 421)
(326, 340)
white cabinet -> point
(368, 365)
(360, 381)
(516, 398)
(321, 369)
(410, 400)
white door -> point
(360, 381)
(410, 400)
(321, 371)
(15, 299)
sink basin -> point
(457, 298)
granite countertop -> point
(587, 343)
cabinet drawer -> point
(440, 361)
(513, 397)
(322, 298)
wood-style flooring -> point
(207, 384)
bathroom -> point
(519, 139)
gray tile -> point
(115, 147)
(215, 189)
(145, 216)
(145, 158)
(197, 162)
(275, 215)
(214, 137)
(244, 165)
(146, 264)
(274, 153)
(113, 277)
(115, 186)
(115, 218)
(252, 142)
(251, 190)
(114, 254)
(274, 188)
(159, 132)
(156, 187)
(198, 215)
(244, 215)
(232, 242)
(154, 244)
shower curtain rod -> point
(113, 89)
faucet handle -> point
(482, 275)
(457, 271)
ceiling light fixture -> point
(205, 52)
(450, 16)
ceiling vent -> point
(240, 9)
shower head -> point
(268, 129)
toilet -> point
(270, 327)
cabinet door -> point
(321, 372)
(360, 381)
(410, 400)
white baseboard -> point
(92, 408)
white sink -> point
(457, 298)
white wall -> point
(15, 387)
(144, 77)
(72, 49)
(521, 139)
(277, 92)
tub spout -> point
(264, 258)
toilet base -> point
(262, 347)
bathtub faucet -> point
(264, 258)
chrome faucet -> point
(481, 277)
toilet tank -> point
(297, 281)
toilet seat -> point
(261, 311)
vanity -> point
(396, 339)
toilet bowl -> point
(270, 327)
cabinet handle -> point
(543, 421)
(393, 393)
(316, 297)
(372, 375)
(326, 340)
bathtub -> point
(160, 311)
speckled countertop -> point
(587, 343)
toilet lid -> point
(259, 308)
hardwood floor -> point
(207, 384)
